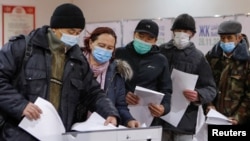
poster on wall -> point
(116, 26)
(206, 32)
(128, 28)
(17, 20)
(165, 33)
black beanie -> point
(184, 21)
(67, 16)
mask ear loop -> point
(62, 32)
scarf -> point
(99, 71)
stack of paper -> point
(94, 122)
(50, 127)
(179, 103)
(216, 118)
(140, 111)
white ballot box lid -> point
(152, 133)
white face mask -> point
(181, 40)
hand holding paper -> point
(179, 103)
(48, 127)
(140, 111)
(32, 111)
(214, 117)
(147, 96)
(111, 120)
(191, 95)
(132, 99)
(94, 122)
(156, 110)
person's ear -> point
(134, 36)
(155, 41)
(239, 37)
(90, 43)
(192, 35)
(57, 32)
(53, 29)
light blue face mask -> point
(141, 47)
(227, 47)
(69, 39)
(101, 55)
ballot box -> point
(153, 133)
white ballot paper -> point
(49, 127)
(216, 118)
(201, 126)
(179, 104)
(140, 111)
(94, 122)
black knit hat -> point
(148, 26)
(67, 16)
(184, 21)
(229, 27)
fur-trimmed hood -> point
(124, 69)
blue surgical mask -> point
(141, 47)
(227, 47)
(69, 39)
(101, 55)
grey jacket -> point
(191, 60)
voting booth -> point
(153, 133)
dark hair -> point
(95, 34)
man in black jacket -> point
(56, 71)
(184, 56)
(150, 68)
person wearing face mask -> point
(229, 59)
(109, 72)
(150, 68)
(182, 55)
(56, 71)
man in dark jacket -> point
(150, 68)
(56, 71)
(182, 55)
(229, 60)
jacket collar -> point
(39, 39)
(187, 50)
(240, 52)
(154, 49)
